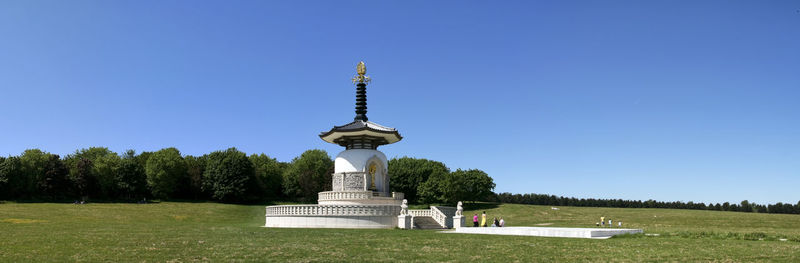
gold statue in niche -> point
(371, 171)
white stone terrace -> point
(597, 233)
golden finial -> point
(361, 69)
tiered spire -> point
(361, 134)
(361, 81)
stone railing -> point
(444, 219)
(350, 195)
(357, 195)
(333, 210)
(420, 212)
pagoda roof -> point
(360, 128)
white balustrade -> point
(440, 217)
(357, 195)
(420, 212)
(350, 195)
(324, 210)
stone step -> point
(426, 222)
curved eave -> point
(333, 135)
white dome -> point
(355, 160)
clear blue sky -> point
(665, 100)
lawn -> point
(185, 232)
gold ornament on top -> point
(361, 69)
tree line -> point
(98, 173)
(744, 206)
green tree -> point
(142, 158)
(3, 180)
(82, 178)
(164, 170)
(102, 172)
(33, 168)
(308, 174)
(746, 206)
(460, 185)
(130, 177)
(105, 168)
(269, 174)
(430, 191)
(55, 182)
(195, 167)
(408, 174)
(479, 186)
(228, 175)
(11, 178)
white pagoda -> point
(361, 197)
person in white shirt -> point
(502, 222)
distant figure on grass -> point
(603, 220)
(475, 220)
(610, 224)
(495, 223)
(502, 222)
(620, 223)
(483, 219)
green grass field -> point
(186, 232)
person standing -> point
(502, 222)
(475, 220)
(483, 219)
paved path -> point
(600, 233)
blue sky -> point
(665, 100)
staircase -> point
(437, 217)
(426, 222)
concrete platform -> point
(599, 233)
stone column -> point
(404, 221)
(458, 221)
